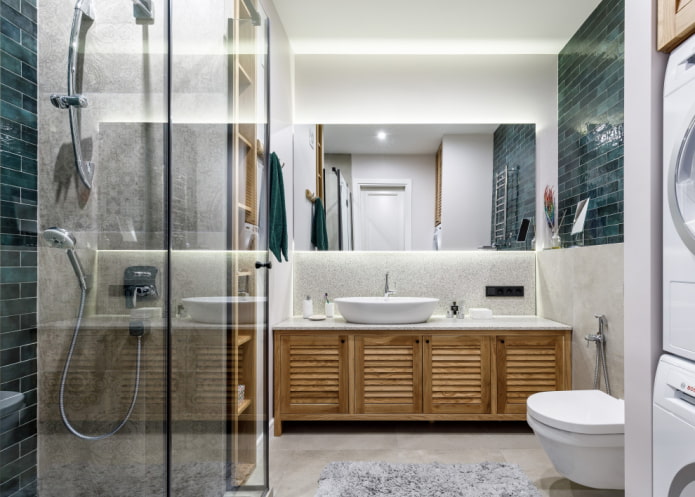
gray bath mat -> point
(381, 479)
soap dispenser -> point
(307, 307)
(453, 310)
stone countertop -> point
(434, 323)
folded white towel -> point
(480, 313)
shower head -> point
(63, 239)
(59, 238)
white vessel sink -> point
(215, 309)
(386, 310)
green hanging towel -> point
(319, 237)
(277, 215)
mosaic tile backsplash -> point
(514, 147)
(447, 275)
(590, 146)
(18, 227)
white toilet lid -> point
(580, 411)
(10, 402)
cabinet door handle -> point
(417, 341)
(501, 341)
(427, 341)
(268, 264)
(342, 341)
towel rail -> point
(501, 206)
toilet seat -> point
(590, 412)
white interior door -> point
(384, 217)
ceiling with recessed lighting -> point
(399, 139)
(431, 26)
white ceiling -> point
(431, 26)
(400, 138)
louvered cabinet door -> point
(456, 375)
(527, 365)
(314, 374)
(388, 374)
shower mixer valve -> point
(139, 283)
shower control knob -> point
(267, 265)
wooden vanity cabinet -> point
(415, 374)
(388, 372)
(527, 364)
(457, 373)
(312, 374)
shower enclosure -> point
(133, 298)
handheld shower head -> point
(63, 239)
(59, 238)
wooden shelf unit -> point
(246, 101)
(415, 374)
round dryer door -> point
(681, 188)
(683, 484)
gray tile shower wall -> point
(448, 276)
(18, 227)
(514, 147)
(590, 103)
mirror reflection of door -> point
(345, 199)
(383, 215)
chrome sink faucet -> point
(387, 291)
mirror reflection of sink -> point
(386, 310)
(215, 310)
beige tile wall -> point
(573, 285)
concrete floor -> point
(297, 457)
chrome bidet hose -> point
(66, 368)
(602, 352)
(601, 366)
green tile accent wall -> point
(18, 230)
(514, 146)
(590, 119)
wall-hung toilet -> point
(583, 433)
(10, 404)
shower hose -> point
(64, 377)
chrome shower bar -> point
(73, 101)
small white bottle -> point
(329, 307)
(307, 307)
(460, 312)
(460, 315)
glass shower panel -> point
(218, 139)
(102, 370)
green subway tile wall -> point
(514, 146)
(590, 120)
(18, 230)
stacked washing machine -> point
(674, 388)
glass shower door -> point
(218, 339)
(172, 317)
(102, 337)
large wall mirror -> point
(425, 186)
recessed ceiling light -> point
(381, 135)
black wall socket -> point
(504, 291)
